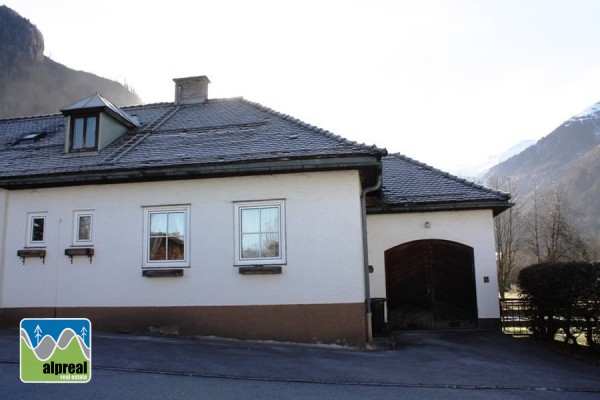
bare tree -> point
(551, 235)
(509, 239)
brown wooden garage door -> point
(430, 284)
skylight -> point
(31, 137)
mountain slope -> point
(569, 157)
(32, 84)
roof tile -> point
(406, 181)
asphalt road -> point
(435, 365)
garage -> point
(430, 284)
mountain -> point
(477, 170)
(33, 84)
(568, 157)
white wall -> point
(323, 232)
(472, 228)
(3, 214)
(110, 129)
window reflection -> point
(260, 234)
(90, 132)
(84, 232)
(83, 135)
(37, 229)
(78, 133)
(167, 239)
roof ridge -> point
(314, 128)
(30, 117)
(159, 104)
(170, 103)
(449, 175)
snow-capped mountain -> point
(570, 157)
(479, 169)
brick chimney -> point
(191, 90)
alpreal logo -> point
(56, 350)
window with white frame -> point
(36, 233)
(260, 233)
(83, 224)
(166, 236)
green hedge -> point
(564, 298)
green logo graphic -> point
(56, 350)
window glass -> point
(167, 236)
(158, 224)
(269, 219)
(176, 224)
(251, 245)
(250, 220)
(84, 133)
(259, 233)
(78, 132)
(37, 229)
(90, 132)
(84, 228)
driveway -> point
(425, 364)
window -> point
(31, 137)
(36, 235)
(166, 236)
(83, 228)
(260, 233)
(84, 133)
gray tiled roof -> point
(410, 185)
(96, 101)
(218, 131)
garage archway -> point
(430, 284)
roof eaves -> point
(496, 206)
(197, 171)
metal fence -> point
(514, 318)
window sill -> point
(77, 153)
(162, 273)
(260, 270)
(24, 253)
(79, 251)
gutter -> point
(193, 171)
(363, 206)
(497, 206)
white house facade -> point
(222, 217)
(109, 286)
(476, 231)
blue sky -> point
(447, 82)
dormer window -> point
(95, 123)
(84, 135)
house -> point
(223, 217)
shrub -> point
(563, 296)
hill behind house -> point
(568, 157)
(33, 84)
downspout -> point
(4, 200)
(363, 204)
